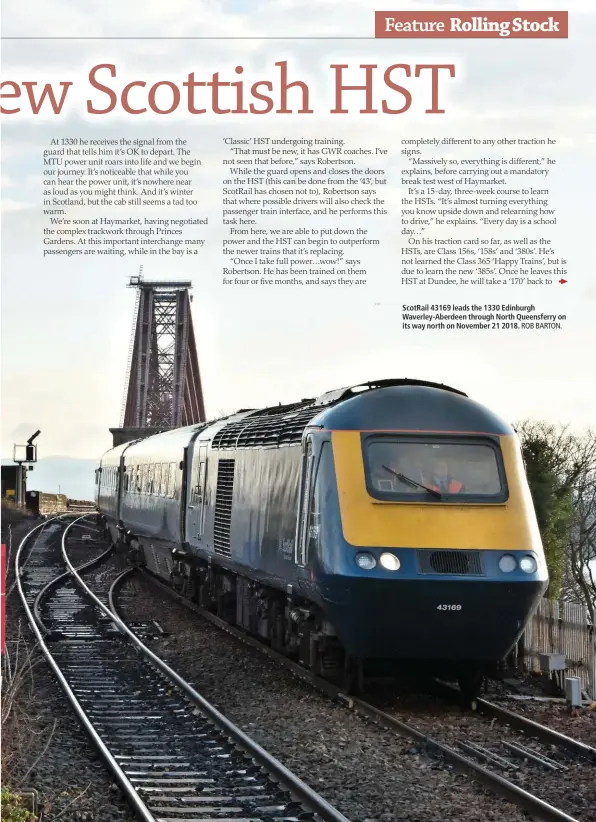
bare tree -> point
(581, 554)
(563, 484)
(562, 475)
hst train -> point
(384, 526)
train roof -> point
(409, 408)
(405, 405)
(398, 404)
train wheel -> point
(353, 676)
(277, 627)
(470, 684)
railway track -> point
(541, 733)
(503, 764)
(173, 754)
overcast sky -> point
(66, 322)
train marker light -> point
(528, 564)
(390, 562)
(365, 561)
(507, 563)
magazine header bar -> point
(472, 24)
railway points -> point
(171, 752)
(517, 767)
(56, 596)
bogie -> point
(293, 628)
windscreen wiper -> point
(410, 481)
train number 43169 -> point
(448, 607)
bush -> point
(560, 467)
(11, 512)
(553, 504)
(13, 809)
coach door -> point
(304, 504)
(196, 505)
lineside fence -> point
(563, 628)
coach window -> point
(171, 480)
(194, 488)
(168, 488)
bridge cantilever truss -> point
(163, 384)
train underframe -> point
(289, 624)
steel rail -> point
(274, 768)
(36, 605)
(539, 809)
(521, 723)
(542, 732)
(128, 788)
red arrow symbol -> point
(562, 281)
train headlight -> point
(389, 562)
(365, 561)
(507, 563)
(528, 564)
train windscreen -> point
(415, 468)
